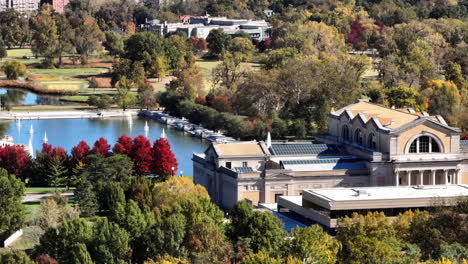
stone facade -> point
(366, 145)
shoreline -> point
(30, 87)
(69, 114)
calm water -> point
(67, 133)
(21, 97)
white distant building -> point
(22, 6)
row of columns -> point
(454, 173)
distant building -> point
(58, 5)
(367, 145)
(22, 6)
(200, 26)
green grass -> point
(68, 72)
(76, 98)
(45, 189)
(31, 209)
(17, 54)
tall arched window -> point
(424, 144)
(358, 136)
(371, 141)
(345, 132)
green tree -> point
(313, 245)
(14, 69)
(57, 172)
(243, 47)
(114, 43)
(144, 47)
(87, 38)
(133, 71)
(218, 42)
(228, 74)
(64, 34)
(160, 67)
(133, 219)
(368, 239)
(404, 96)
(124, 97)
(118, 168)
(14, 28)
(12, 214)
(261, 258)
(264, 230)
(45, 38)
(3, 51)
(453, 72)
(16, 257)
(110, 243)
(67, 243)
(85, 197)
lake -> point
(22, 97)
(67, 133)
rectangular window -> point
(277, 195)
(244, 164)
(228, 165)
(424, 144)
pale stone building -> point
(366, 145)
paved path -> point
(65, 114)
(30, 197)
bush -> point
(14, 69)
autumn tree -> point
(14, 69)
(313, 244)
(442, 97)
(86, 38)
(370, 239)
(164, 160)
(404, 96)
(45, 38)
(79, 153)
(52, 213)
(123, 145)
(12, 214)
(15, 160)
(141, 155)
(101, 147)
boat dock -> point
(186, 126)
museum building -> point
(367, 145)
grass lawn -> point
(68, 72)
(31, 209)
(46, 189)
(17, 54)
(189, 177)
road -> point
(30, 197)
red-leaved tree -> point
(123, 145)
(164, 160)
(15, 160)
(141, 154)
(80, 152)
(101, 147)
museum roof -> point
(238, 148)
(389, 192)
(391, 118)
(243, 169)
(323, 164)
(305, 149)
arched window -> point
(358, 136)
(424, 144)
(345, 132)
(371, 141)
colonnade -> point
(426, 177)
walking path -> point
(30, 197)
(65, 114)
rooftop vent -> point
(361, 193)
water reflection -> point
(21, 97)
(69, 132)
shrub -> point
(14, 69)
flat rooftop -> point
(383, 197)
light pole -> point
(181, 173)
(172, 171)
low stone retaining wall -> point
(12, 238)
